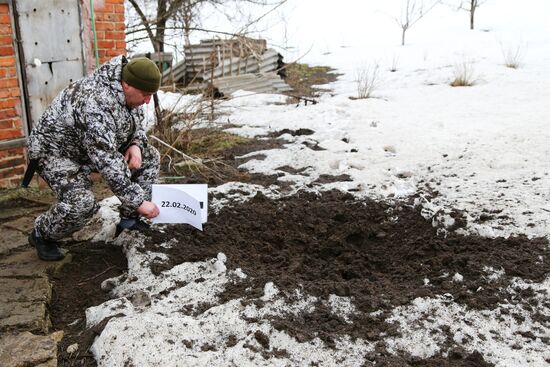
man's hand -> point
(148, 209)
(133, 157)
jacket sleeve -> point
(99, 142)
(140, 137)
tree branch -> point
(144, 21)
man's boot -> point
(132, 224)
(46, 250)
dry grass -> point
(190, 143)
(194, 152)
(464, 73)
(513, 56)
(367, 80)
(304, 79)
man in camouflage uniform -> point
(96, 124)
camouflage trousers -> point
(76, 203)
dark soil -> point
(377, 253)
(75, 288)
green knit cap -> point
(143, 74)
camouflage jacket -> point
(89, 123)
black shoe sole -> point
(43, 257)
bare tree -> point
(471, 6)
(411, 12)
(188, 17)
(155, 25)
(177, 16)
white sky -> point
(487, 146)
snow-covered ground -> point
(483, 148)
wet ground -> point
(378, 253)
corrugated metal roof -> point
(268, 82)
(233, 64)
(268, 61)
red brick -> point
(5, 40)
(105, 26)
(8, 72)
(100, 35)
(11, 72)
(6, 124)
(106, 44)
(4, 9)
(12, 152)
(13, 182)
(7, 113)
(14, 92)
(102, 18)
(103, 8)
(10, 172)
(8, 103)
(12, 119)
(8, 82)
(5, 29)
(5, 19)
(6, 51)
(18, 123)
(9, 134)
(7, 61)
(111, 17)
(11, 162)
(9, 92)
(118, 36)
(114, 2)
(119, 9)
(114, 52)
(119, 17)
(11, 123)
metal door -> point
(52, 49)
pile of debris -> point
(224, 66)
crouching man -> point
(96, 124)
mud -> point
(377, 253)
(75, 288)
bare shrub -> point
(411, 12)
(464, 73)
(513, 56)
(394, 62)
(367, 78)
(177, 129)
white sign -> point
(181, 204)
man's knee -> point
(151, 157)
(79, 203)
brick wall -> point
(12, 160)
(110, 28)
